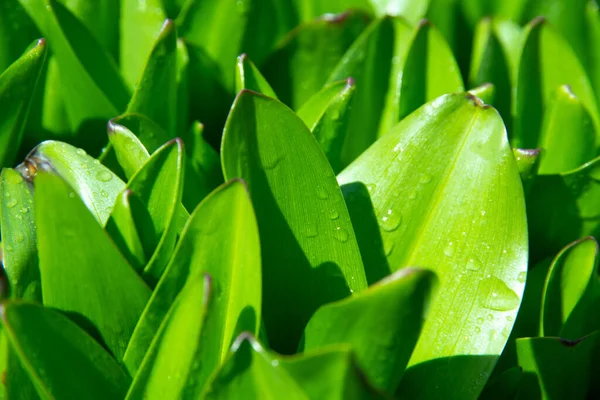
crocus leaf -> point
(547, 62)
(310, 248)
(568, 136)
(140, 24)
(568, 378)
(572, 213)
(158, 185)
(394, 308)
(95, 88)
(97, 186)
(477, 252)
(147, 131)
(128, 149)
(528, 163)
(223, 222)
(183, 88)
(155, 94)
(16, 32)
(64, 362)
(17, 85)
(18, 384)
(19, 252)
(308, 10)
(174, 352)
(375, 61)
(307, 57)
(571, 292)
(109, 296)
(505, 386)
(592, 23)
(247, 76)
(413, 11)
(485, 92)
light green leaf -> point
(560, 367)
(304, 62)
(307, 239)
(64, 362)
(571, 292)
(394, 308)
(128, 149)
(147, 131)
(109, 296)
(247, 76)
(19, 252)
(447, 196)
(140, 24)
(182, 79)
(568, 136)
(308, 10)
(97, 186)
(327, 114)
(17, 85)
(592, 24)
(223, 222)
(485, 92)
(175, 351)
(528, 163)
(412, 10)
(95, 88)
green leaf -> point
(505, 386)
(592, 24)
(182, 79)
(303, 63)
(568, 136)
(17, 85)
(485, 92)
(95, 88)
(147, 131)
(16, 32)
(560, 367)
(446, 195)
(547, 62)
(375, 61)
(140, 24)
(64, 362)
(247, 76)
(327, 114)
(155, 94)
(223, 222)
(412, 10)
(109, 296)
(308, 10)
(128, 149)
(97, 186)
(19, 252)
(571, 292)
(572, 213)
(395, 308)
(528, 163)
(175, 350)
(306, 249)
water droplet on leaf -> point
(449, 249)
(473, 264)
(390, 221)
(340, 234)
(495, 295)
(103, 176)
(12, 203)
(522, 276)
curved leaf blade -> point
(247, 76)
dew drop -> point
(509, 318)
(322, 193)
(480, 320)
(340, 234)
(12, 203)
(522, 276)
(104, 194)
(388, 245)
(371, 187)
(398, 148)
(477, 329)
(310, 230)
(425, 178)
(81, 152)
(103, 176)
(473, 264)
(20, 237)
(333, 214)
(449, 249)
(275, 363)
(72, 195)
(412, 195)
(24, 210)
(490, 317)
(495, 295)
(390, 221)
(483, 212)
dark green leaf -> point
(310, 256)
(108, 296)
(528, 163)
(17, 31)
(505, 386)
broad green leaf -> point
(571, 292)
(252, 373)
(121, 226)
(17, 85)
(547, 62)
(528, 163)
(247, 76)
(17, 31)
(394, 308)
(175, 351)
(327, 115)
(429, 71)
(139, 25)
(307, 240)
(97, 186)
(567, 137)
(19, 252)
(485, 92)
(572, 213)
(446, 195)
(375, 61)
(412, 10)
(305, 60)
(155, 94)
(158, 185)
(64, 361)
(95, 88)
(128, 149)
(561, 367)
(108, 296)
(223, 222)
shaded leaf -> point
(458, 209)
(128, 149)
(505, 386)
(247, 76)
(528, 163)
(310, 256)
(109, 296)
(17, 31)
(64, 362)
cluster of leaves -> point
(355, 225)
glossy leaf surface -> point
(247, 76)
